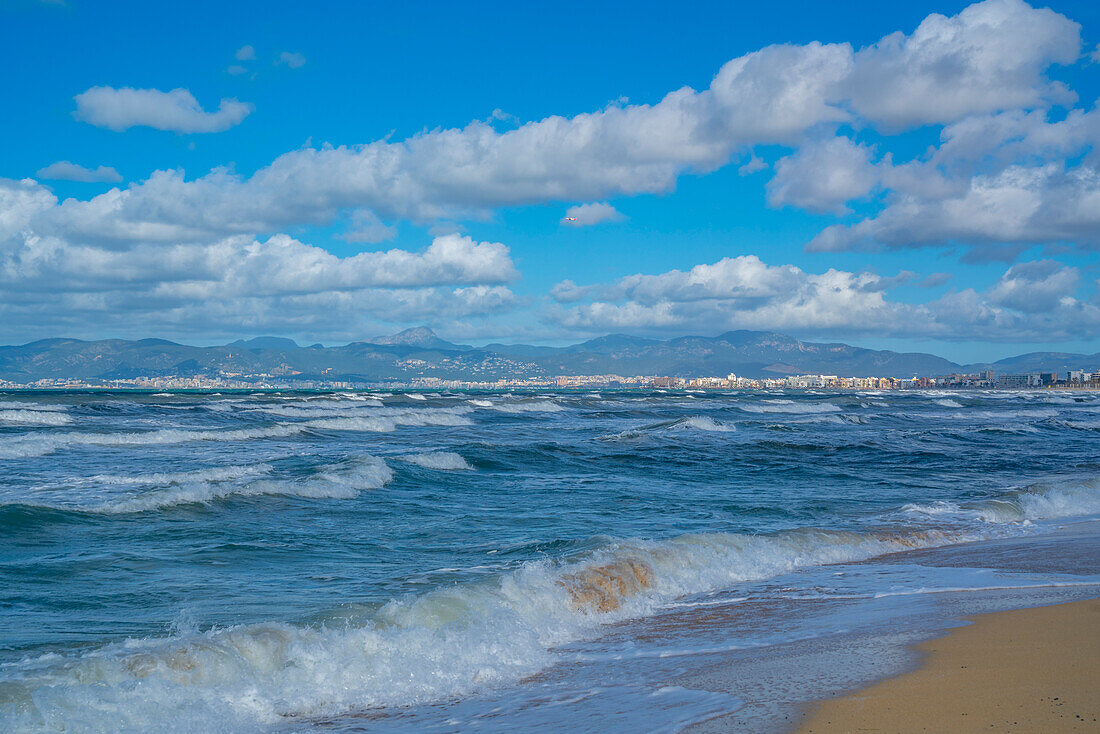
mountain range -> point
(419, 352)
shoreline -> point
(1024, 670)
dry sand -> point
(1031, 670)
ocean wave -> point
(787, 406)
(481, 403)
(1017, 429)
(452, 641)
(380, 420)
(702, 423)
(211, 474)
(533, 406)
(343, 480)
(693, 423)
(1044, 501)
(35, 417)
(23, 405)
(315, 411)
(948, 403)
(385, 420)
(415, 396)
(443, 460)
(1077, 425)
(42, 444)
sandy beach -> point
(1030, 670)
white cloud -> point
(177, 110)
(240, 281)
(1035, 287)
(989, 57)
(236, 70)
(1003, 177)
(823, 176)
(67, 171)
(245, 53)
(1032, 301)
(996, 184)
(751, 166)
(586, 215)
(294, 60)
(366, 227)
(777, 95)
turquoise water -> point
(257, 562)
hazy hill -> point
(419, 352)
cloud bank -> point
(1014, 165)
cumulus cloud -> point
(245, 53)
(1007, 172)
(1030, 301)
(777, 95)
(585, 215)
(236, 70)
(1035, 287)
(278, 281)
(292, 59)
(991, 56)
(366, 227)
(823, 176)
(176, 111)
(67, 171)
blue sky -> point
(932, 190)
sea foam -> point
(443, 460)
(451, 641)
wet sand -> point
(1030, 670)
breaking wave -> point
(534, 406)
(1038, 502)
(379, 420)
(703, 423)
(788, 406)
(35, 417)
(344, 480)
(387, 419)
(451, 641)
(443, 460)
(40, 445)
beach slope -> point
(1029, 670)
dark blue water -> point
(245, 562)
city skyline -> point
(795, 168)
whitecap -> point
(442, 460)
(35, 417)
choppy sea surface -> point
(484, 561)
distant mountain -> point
(420, 336)
(265, 342)
(420, 353)
(1046, 362)
(746, 353)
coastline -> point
(1025, 670)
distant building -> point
(1018, 382)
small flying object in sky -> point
(570, 219)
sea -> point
(543, 561)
